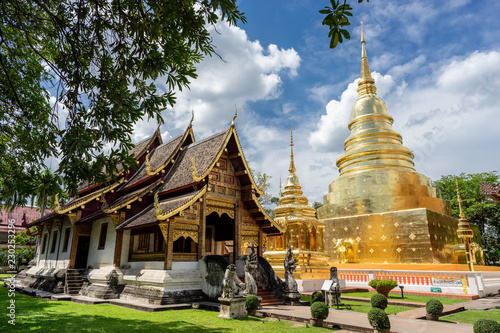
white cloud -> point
(332, 128)
(249, 72)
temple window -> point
(102, 236)
(185, 245)
(147, 245)
(54, 242)
(67, 231)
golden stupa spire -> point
(281, 193)
(459, 199)
(366, 84)
(292, 163)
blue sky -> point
(436, 65)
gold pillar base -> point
(310, 264)
(413, 236)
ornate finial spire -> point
(292, 164)
(366, 84)
(233, 124)
(281, 194)
(459, 199)
(192, 118)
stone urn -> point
(384, 290)
(432, 317)
(252, 312)
(316, 322)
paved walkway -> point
(358, 322)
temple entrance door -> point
(219, 235)
(82, 251)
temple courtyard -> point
(46, 312)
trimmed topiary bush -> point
(319, 310)
(317, 296)
(378, 319)
(434, 307)
(486, 326)
(378, 301)
(252, 302)
(382, 283)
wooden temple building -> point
(143, 236)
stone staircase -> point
(267, 297)
(74, 281)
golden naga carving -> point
(262, 188)
(105, 207)
(158, 211)
(149, 171)
(195, 176)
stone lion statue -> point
(229, 287)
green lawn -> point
(365, 306)
(408, 298)
(471, 316)
(39, 315)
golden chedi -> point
(380, 210)
(302, 230)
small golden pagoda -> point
(302, 229)
(380, 210)
(465, 233)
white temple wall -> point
(102, 257)
(59, 258)
(125, 248)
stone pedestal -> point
(292, 298)
(232, 307)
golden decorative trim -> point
(249, 239)
(164, 230)
(147, 256)
(115, 218)
(220, 211)
(48, 225)
(186, 226)
(220, 204)
(148, 165)
(163, 216)
(39, 228)
(195, 176)
(185, 233)
(59, 224)
(71, 207)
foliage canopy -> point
(75, 76)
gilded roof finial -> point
(292, 163)
(366, 84)
(192, 118)
(233, 124)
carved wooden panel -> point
(185, 230)
(215, 176)
(231, 192)
(221, 190)
(221, 164)
(228, 179)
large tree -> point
(98, 59)
(479, 209)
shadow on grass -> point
(37, 315)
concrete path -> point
(358, 322)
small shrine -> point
(302, 230)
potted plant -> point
(379, 320)
(252, 303)
(486, 326)
(319, 312)
(378, 301)
(434, 309)
(383, 286)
